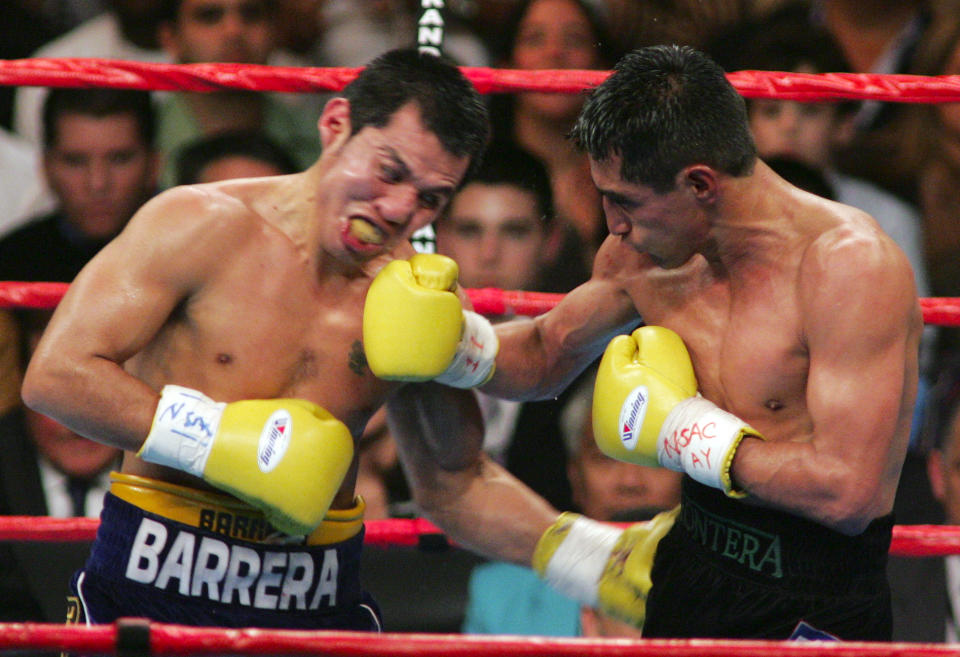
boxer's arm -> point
(116, 305)
(539, 358)
(439, 432)
(862, 324)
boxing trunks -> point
(728, 569)
(179, 555)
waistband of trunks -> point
(225, 514)
(776, 544)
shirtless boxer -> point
(251, 290)
(802, 324)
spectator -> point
(45, 469)
(353, 32)
(931, 147)
(555, 34)
(23, 29)
(127, 30)
(879, 36)
(237, 31)
(500, 230)
(595, 624)
(21, 184)
(923, 155)
(229, 155)
(510, 599)
(99, 162)
(926, 591)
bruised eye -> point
(391, 174)
(430, 201)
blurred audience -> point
(127, 30)
(876, 36)
(500, 229)
(23, 29)
(21, 184)
(930, 147)
(555, 34)
(880, 36)
(926, 590)
(920, 154)
(353, 32)
(228, 155)
(99, 161)
(510, 599)
(45, 470)
(236, 31)
(594, 624)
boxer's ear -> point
(334, 124)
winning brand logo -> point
(274, 440)
(632, 413)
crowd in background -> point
(76, 164)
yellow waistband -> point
(225, 514)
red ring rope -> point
(908, 540)
(94, 72)
(918, 540)
(165, 639)
(943, 311)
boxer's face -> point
(669, 227)
(383, 183)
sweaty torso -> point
(268, 324)
(745, 341)
(745, 326)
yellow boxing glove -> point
(601, 565)
(646, 410)
(286, 457)
(415, 328)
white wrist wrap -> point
(701, 439)
(578, 562)
(476, 353)
(183, 429)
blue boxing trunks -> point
(727, 569)
(179, 555)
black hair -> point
(99, 103)
(200, 153)
(662, 109)
(506, 163)
(786, 39)
(450, 106)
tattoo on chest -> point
(358, 359)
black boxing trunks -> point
(727, 569)
(179, 555)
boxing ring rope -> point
(908, 540)
(94, 72)
(140, 637)
(942, 311)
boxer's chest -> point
(746, 346)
